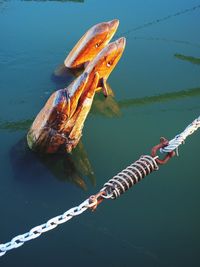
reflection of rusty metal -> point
(74, 168)
(163, 142)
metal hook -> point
(163, 142)
(95, 200)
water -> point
(157, 93)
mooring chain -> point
(49, 225)
(112, 189)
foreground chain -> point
(112, 189)
(38, 230)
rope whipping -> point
(112, 189)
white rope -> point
(180, 138)
(51, 224)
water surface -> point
(157, 93)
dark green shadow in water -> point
(109, 107)
(193, 60)
(76, 167)
(159, 98)
(72, 168)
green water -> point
(157, 93)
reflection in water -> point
(109, 107)
(2, 5)
(73, 168)
(193, 60)
(63, 76)
(101, 106)
(14, 126)
(159, 98)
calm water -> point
(157, 93)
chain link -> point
(35, 232)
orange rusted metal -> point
(163, 142)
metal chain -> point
(180, 138)
(112, 189)
(49, 225)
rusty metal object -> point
(105, 62)
(91, 43)
(58, 127)
(95, 200)
(163, 142)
